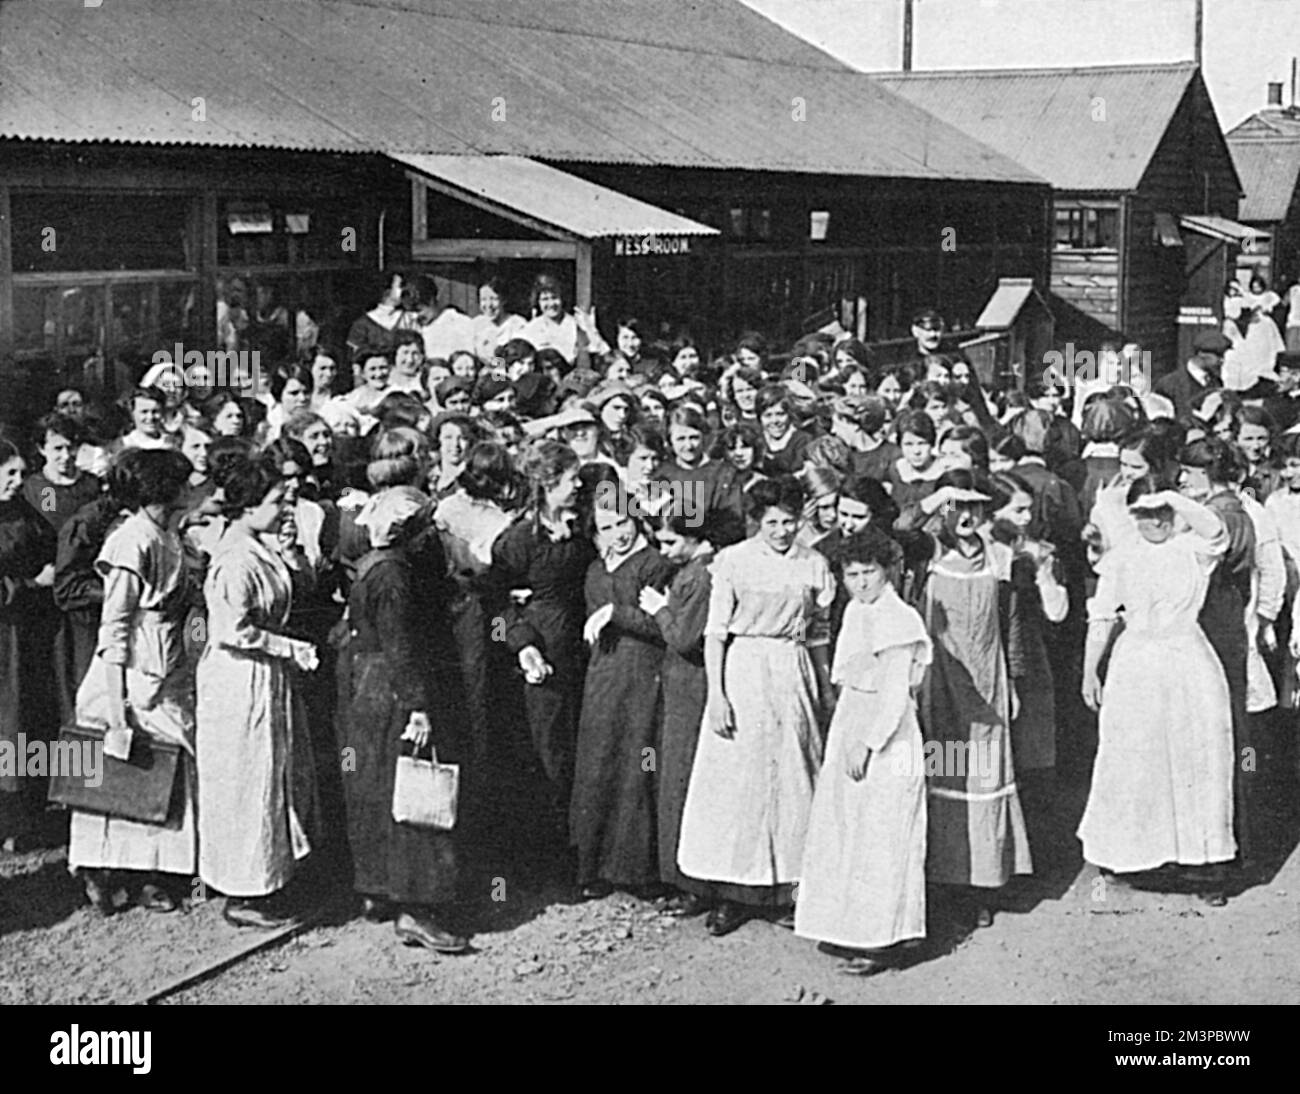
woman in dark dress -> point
(680, 615)
(78, 586)
(612, 816)
(26, 704)
(390, 699)
(783, 442)
(57, 491)
(542, 560)
(469, 522)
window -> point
(749, 223)
(1087, 228)
(63, 232)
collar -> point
(1197, 373)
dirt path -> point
(1092, 944)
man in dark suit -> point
(1201, 373)
(1283, 404)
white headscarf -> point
(384, 514)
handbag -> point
(144, 787)
(426, 792)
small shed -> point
(1017, 331)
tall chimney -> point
(907, 35)
(1275, 94)
(1200, 30)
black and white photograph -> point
(652, 502)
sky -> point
(1247, 42)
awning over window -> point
(1222, 228)
(554, 201)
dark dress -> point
(58, 504)
(789, 460)
(612, 816)
(684, 689)
(709, 488)
(383, 678)
(79, 595)
(524, 557)
(1223, 619)
(27, 703)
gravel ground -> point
(1074, 939)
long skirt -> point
(863, 883)
(1162, 786)
(402, 863)
(162, 710)
(612, 817)
(747, 806)
(256, 778)
(684, 692)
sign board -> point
(637, 246)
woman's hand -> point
(596, 623)
(1091, 691)
(45, 579)
(535, 667)
(719, 718)
(652, 601)
(857, 767)
(417, 731)
(303, 654)
(287, 534)
(1267, 636)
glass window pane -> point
(67, 231)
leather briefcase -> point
(145, 787)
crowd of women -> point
(788, 635)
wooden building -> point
(1144, 189)
(1266, 149)
(695, 165)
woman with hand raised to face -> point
(256, 779)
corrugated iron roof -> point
(1269, 171)
(552, 196)
(704, 83)
(1080, 128)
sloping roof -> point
(704, 83)
(1269, 172)
(554, 197)
(1275, 122)
(1052, 120)
(1004, 305)
(1222, 228)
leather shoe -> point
(423, 931)
(725, 918)
(154, 898)
(596, 890)
(683, 905)
(242, 913)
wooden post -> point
(7, 334)
(582, 276)
(205, 228)
(907, 35)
